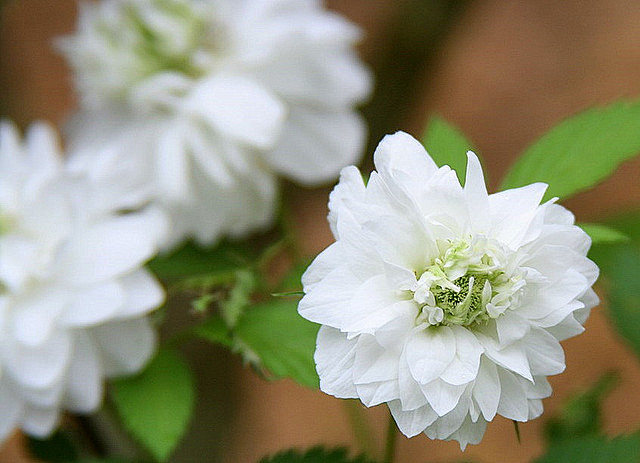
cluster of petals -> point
(206, 101)
(73, 293)
(445, 302)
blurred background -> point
(503, 72)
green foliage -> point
(314, 455)
(582, 415)
(581, 151)
(595, 450)
(239, 297)
(215, 330)
(57, 448)
(274, 336)
(156, 405)
(447, 146)
(193, 261)
(621, 266)
(603, 234)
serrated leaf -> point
(191, 260)
(594, 450)
(314, 455)
(214, 330)
(281, 339)
(581, 416)
(447, 146)
(602, 234)
(156, 405)
(580, 151)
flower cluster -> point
(443, 301)
(73, 295)
(208, 100)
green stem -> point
(361, 427)
(390, 445)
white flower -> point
(73, 295)
(445, 302)
(211, 99)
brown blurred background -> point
(503, 72)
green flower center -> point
(466, 306)
(466, 285)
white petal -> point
(373, 305)
(475, 192)
(487, 390)
(84, 382)
(402, 157)
(326, 302)
(429, 352)
(172, 165)
(113, 247)
(512, 212)
(316, 144)
(411, 395)
(512, 357)
(469, 432)
(93, 304)
(142, 292)
(373, 363)
(34, 315)
(11, 406)
(239, 108)
(334, 359)
(37, 367)
(442, 397)
(511, 327)
(40, 422)
(545, 354)
(513, 400)
(372, 394)
(411, 422)
(332, 257)
(466, 361)
(350, 189)
(124, 346)
(446, 425)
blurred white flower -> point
(205, 101)
(445, 302)
(73, 294)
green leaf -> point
(595, 450)
(239, 297)
(447, 146)
(292, 281)
(603, 234)
(314, 455)
(193, 261)
(275, 336)
(581, 416)
(157, 404)
(57, 448)
(621, 264)
(214, 330)
(581, 151)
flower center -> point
(137, 41)
(467, 285)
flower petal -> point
(334, 357)
(429, 352)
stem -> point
(361, 427)
(390, 445)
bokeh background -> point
(503, 72)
